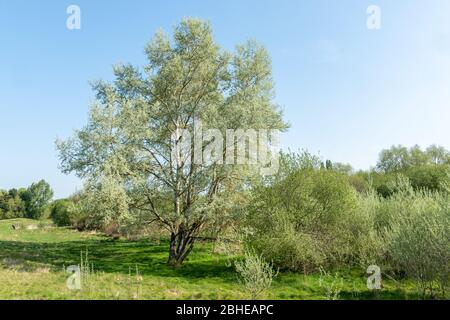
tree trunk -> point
(181, 245)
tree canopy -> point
(399, 158)
(36, 198)
(129, 138)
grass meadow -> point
(33, 258)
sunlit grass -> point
(32, 261)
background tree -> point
(438, 154)
(343, 167)
(398, 158)
(393, 159)
(62, 212)
(129, 134)
(36, 199)
(11, 204)
(425, 169)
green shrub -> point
(289, 249)
(256, 274)
(419, 241)
(408, 233)
(11, 204)
(63, 212)
(331, 284)
(104, 204)
(305, 220)
(428, 177)
(369, 247)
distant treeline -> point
(30, 202)
(425, 169)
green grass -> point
(32, 262)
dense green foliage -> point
(11, 204)
(31, 202)
(426, 170)
(399, 158)
(305, 220)
(63, 212)
(310, 217)
(36, 199)
(413, 236)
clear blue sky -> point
(347, 91)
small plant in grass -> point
(129, 286)
(80, 278)
(331, 284)
(355, 291)
(135, 283)
(87, 270)
(256, 275)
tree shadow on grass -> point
(117, 256)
